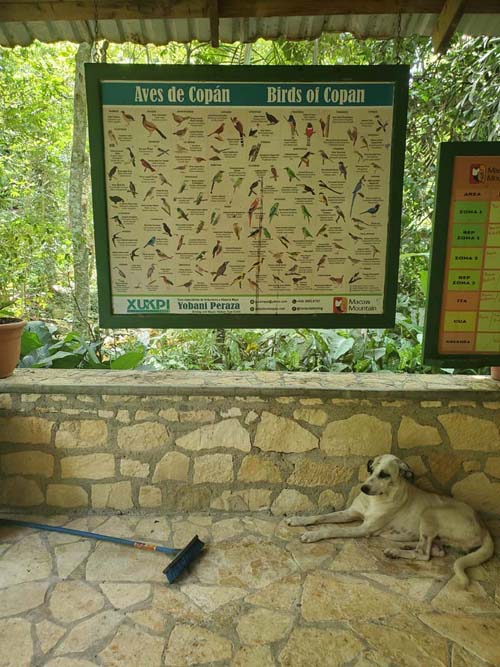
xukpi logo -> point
(148, 306)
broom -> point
(183, 557)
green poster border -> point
(446, 160)
(396, 74)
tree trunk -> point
(78, 197)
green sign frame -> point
(95, 74)
(448, 152)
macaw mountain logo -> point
(340, 304)
(148, 306)
(477, 173)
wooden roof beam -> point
(446, 24)
(213, 15)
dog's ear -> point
(405, 471)
(369, 466)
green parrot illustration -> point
(305, 213)
(274, 211)
(181, 214)
(216, 179)
(291, 174)
(307, 233)
(267, 233)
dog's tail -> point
(485, 551)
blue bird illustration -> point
(372, 210)
(151, 242)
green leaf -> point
(29, 342)
(127, 361)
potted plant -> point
(11, 329)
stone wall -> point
(285, 443)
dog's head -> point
(385, 472)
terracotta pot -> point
(10, 344)
(495, 372)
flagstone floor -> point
(257, 597)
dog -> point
(390, 506)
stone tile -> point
(133, 648)
(21, 598)
(258, 469)
(27, 463)
(282, 595)
(69, 662)
(48, 634)
(85, 434)
(150, 619)
(226, 434)
(311, 556)
(173, 603)
(27, 560)
(88, 466)
(213, 468)
(142, 437)
(315, 647)
(253, 656)
(252, 500)
(462, 658)
(313, 417)
(116, 495)
(16, 646)
(412, 434)
(149, 496)
(210, 598)
(291, 501)
(263, 626)
(66, 495)
(125, 595)
(478, 491)
(29, 430)
(112, 562)
(89, 632)
(472, 433)
(133, 468)
(473, 600)
(279, 434)
(319, 473)
(70, 556)
(174, 466)
(20, 492)
(72, 600)
(361, 434)
(192, 645)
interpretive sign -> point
(247, 196)
(463, 310)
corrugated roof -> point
(161, 31)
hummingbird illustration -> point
(266, 233)
(132, 156)
(112, 172)
(134, 254)
(147, 166)
(343, 169)
(273, 212)
(220, 271)
(167, 229)
(291, 175)
(238, 126)
(253, 207)
(216, 179)
(272, 120)
(305, 213)
(217, 249)
(151, 127)
(181, 214)
(151, 242)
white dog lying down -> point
(391, 507)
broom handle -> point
(96, 536)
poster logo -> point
(477, 173)
(340, 304)
(148, 306)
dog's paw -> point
(391, 553)
(313, 536)
(294, 521)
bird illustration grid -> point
(269, 207)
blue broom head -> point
(183, 559)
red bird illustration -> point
(147, 166)
(309, 133)
(253, 206)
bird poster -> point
(249, 198)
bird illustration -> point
(167, 229)
(381, 125)
(163, 180)
(252, 283)
(128, 118)
(324, 157)
(151, 242)
(179, 119)
(112, 138)
(354, 237)
(162, 151)
(201, 256)
(274, 173)
(132, 156)
(200, 270)
(200, 227)
(218, 131)
(340, 214)
(166, 280)
(253, 132)
(180, 132)
(220, 271)
(253, 153)
(132, 189)
(149, 193)
(272, 120)
(354, 278)
(150, 271)
(353, 135)
(199, 199)
(274, 211)
(116, 199)
(266, 233)
(181, 215)
(376, 166)
(251, 190)
(238, 126)
(147, 166)
(255, 232)
(134, 254)
(305, 213)
(199, 159)
(309, 132)
(117, 219)
(293, 126)
(322, 124)
(161, 254)
(375, 250)
(321, 262)
(338, 246)
(237, 230)
(180, 242)
(307, 189)
(360, 156)
(182, 188)
(181, 167)
(357, 191)
(114, 237)
(305, 159)
(293, 255)
(180, 148)
(239, 279)
(343, 169)
(112, 172)
(120, 273)
(353, 260)
(217, 249)
(299, 279)
(292, 271)
(372, 210)
(323, 198)
(338, 280)
(360, 222)
(291, 175)
(214, 218)
(151, 127)
(187, 285)
(218, 150)
(216, 179)
(322, 230)
(166, 206)
(307, 233)
(215, 158)
(253, 207)
(236, 185)
(284, 241)
(322, 184)
(277, 279)
(365, 142)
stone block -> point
(412, 434)
(331, 500)
(313, 417)
(88, 466)
(492, 466)
(213, 468)
(360, 435)
(143, 437)
(258, 469)
(66, 495)
(141, 415)
(131, 468)
(444, 465)
(479, 492)
(149, 496)
(253, 500)
(279, 434)
(319, 473)
(472, 433)
(29, 430)
(169, 415)
(472, 466)
(117, 495)
(27, 463)
(5, 402)
(227, 434)
(231, 412)
(290, 501)
(417, 465)
(197, 416)
(123, 416)
(85, 434)
(173, 466)
(20, 492)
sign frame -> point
(448, 151)
(398, 75)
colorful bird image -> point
(149, 193)
(253, 207)
(167, 281)
(251, 190)
(181, 215)
(343, 169)
(131, 155)
(128, 118)
(220, 271)
(161, 254)
(255, 232)
(252, 283)
(322, 184)
(291, 175)
(239, 279)
(117, 200)
(163, 180)
(151, 242)
(217, 132)
(274, 211)
(322, 124)
(356, 192)
(321, 262)
(309, 133)
(237, 230)
(151, 127)
(293, 126)
(338, 280)
(132, 189)
(253, 132)
(216, 179)
(134, 254)
(340, 214)
(305, 213)
(200, 270)
(201, 256)
(353, 135)
(372, 210)
(180, 243)
(307, 233)
(324, 157)
(272, 120)
(112, 172)
(274, 173)
(266, 232)
(180, 132)
(254, 152)
(238, 126)
(305, 159)
(217, 249)
(147, 166)
(179, 119)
